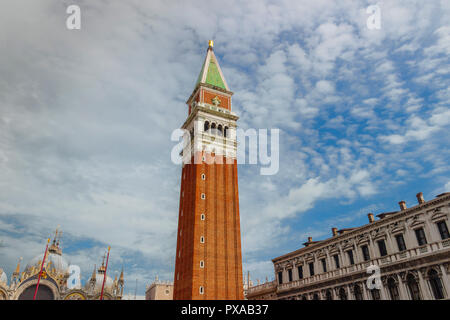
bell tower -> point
(208, 261)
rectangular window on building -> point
(400, 242)
(382, 247)
(365, 252)
(280, 277)
(420, 235)
(290, 275)
(311, 268)
(350, 257)
(443, 230)
(324, 265)
(300, 272)
(336, 261)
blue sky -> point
(86, 118)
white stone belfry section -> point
(212, 140)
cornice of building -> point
(206, 108)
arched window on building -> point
(435, 284)
(315, 296)
(225, 132)
(358, 292)
(375, 293)
(213, 128)
(342, 294)
(329, 296)
(393, 289)
(220, 130)
(206, 126)
(304, 297)
(413, 287)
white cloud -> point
(447, 186)
(419, 129)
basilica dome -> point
(57, 262)
(109, 283)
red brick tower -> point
(208, 259)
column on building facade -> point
(329, 262)
(445, 280)
(424, 287)
(402, 289)
(383, 293)
(371, 247)
(304, 266)
(334, 294)
(341, 258)
(366, 294)
(350, 292)
(317, 267)
(431, 236)
(357, 253)
(409, 238)
(390, 244)
(385, 290)
(293, 270)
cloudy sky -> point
(86, 118)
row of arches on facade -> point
(216, 129)
(392, 290)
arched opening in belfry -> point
(213, 129)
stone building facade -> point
(409, 247)
(159, 290)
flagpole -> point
(40, 272)
(104, 275)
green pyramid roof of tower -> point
(213, 76)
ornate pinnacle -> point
(17, 271)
